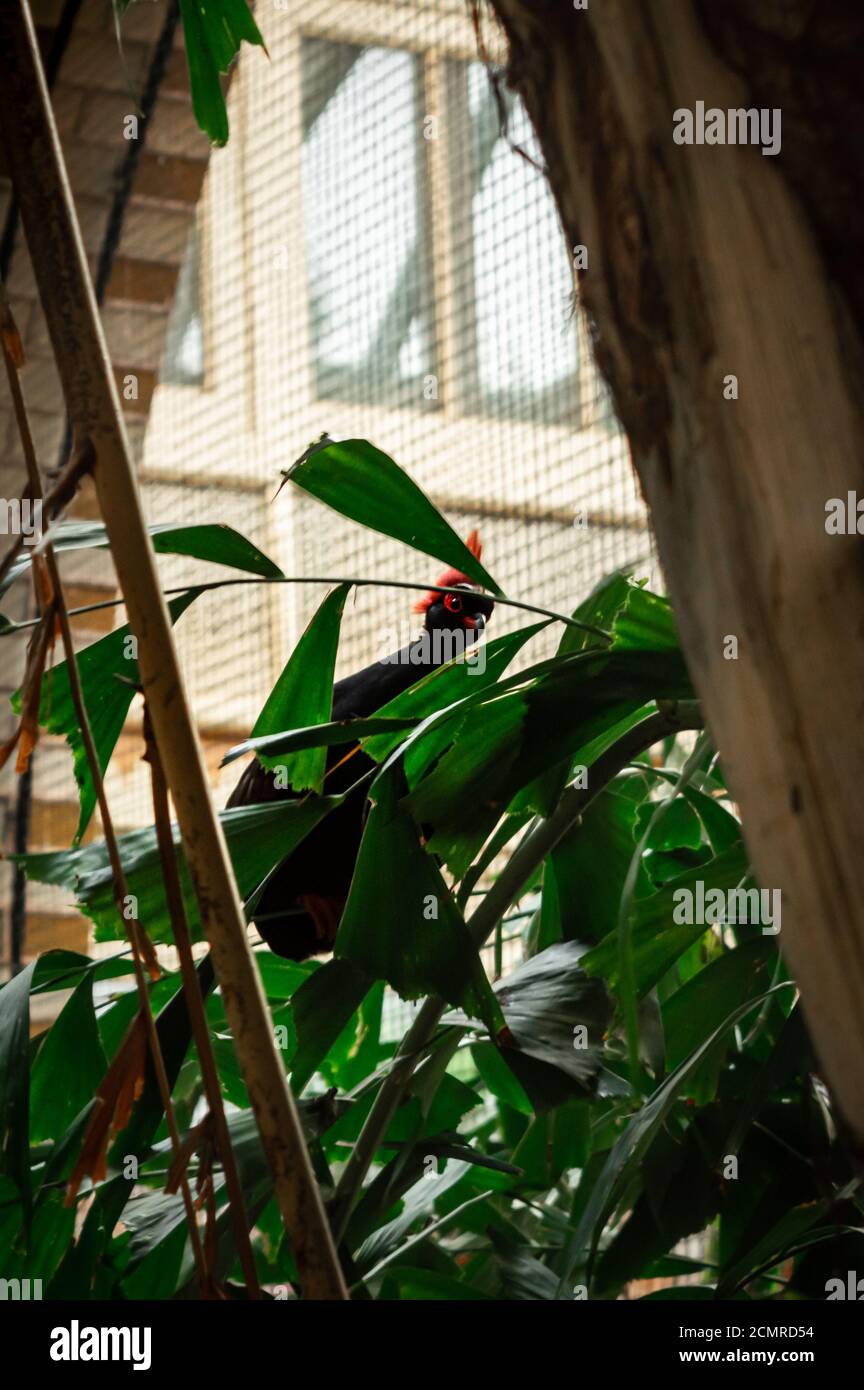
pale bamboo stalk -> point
(141, 946)
(197, 1013)
(60, 267)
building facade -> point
(374, 254)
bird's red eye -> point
(453, 603)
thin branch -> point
(504, 891)
(195, 1006)
(358, 583)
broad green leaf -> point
(587, 869)
(657, 940)
(791, 1056)
(554, 1144)
(71, 1050)
(628, 1150)
(281, 977)
(401, 923)
(678, 828)
(155, 1272)
(628, 993)
(15, 1081)
(155, 1219)
(599, 609)
(418, 1203)
(411, 1123)
(557, 1018)
(523, 1277)
(499, 1078)
(789, 1233)
(360, 482)
(424, 1160)
(214, 32)
(645, 623)
(519, 729)
(357, 1051)
(422, 1236)
(106, 699)
(721, 827)
(258, 837)
(64, 1151)
(50, 1235)
(316, 736)
(65, 969)
(13, 1254)
(219, 544)
(427, 1284)
(303, 695)
(680, 1196)
(81, 1265)
(700, 1006)
(442, 689)
(323, 1007)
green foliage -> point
(634, 1077)
(214, 32)
(303, 695)
(357, 480)
(109, 680)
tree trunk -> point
(707, 261)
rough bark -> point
(710, 260)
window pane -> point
(183, 359)
(365, 217)
(517, 332)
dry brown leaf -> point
(12, 343)
(118, 1091)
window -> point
(501, 335)
(516, 331)
(183, 358)
(367, 245)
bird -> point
(299, 912)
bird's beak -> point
(478, 622)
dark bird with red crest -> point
(299, 912)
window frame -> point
(440, 46)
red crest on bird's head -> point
(450, 578)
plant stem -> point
(672, 718)
(358, 583)
(195, 1007)
(142, 948)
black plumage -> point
(299, 912)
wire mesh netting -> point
(378, 258)
(376, 254)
